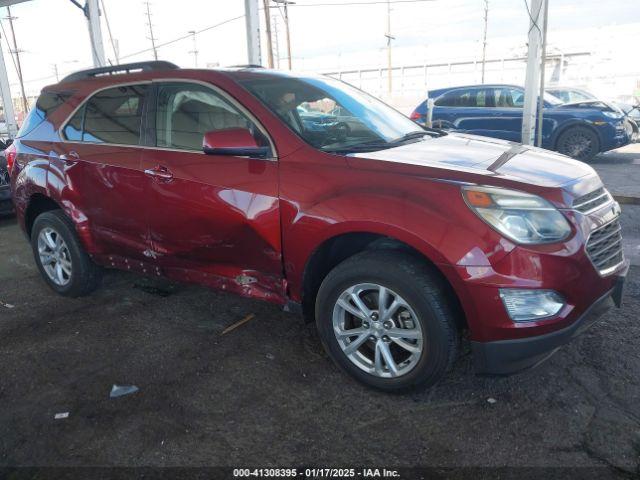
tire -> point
(580, 143)
(54, 233)
(429, 312)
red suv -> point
(393, 238)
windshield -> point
(333, 116)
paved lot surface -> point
(620, 170)
(265, 394)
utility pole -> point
(195, 48)
(532, 79)
(542, 74)
(25, 104)
(253, 31)
(151, 37)
(484, 40)
(286, 3)
(267, 24)
(276, 48)
(114, 42)
(55, 71)
(389, 38)
(92, 12)
(7, 100)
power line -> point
(184, 37)
(341, 4)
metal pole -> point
(286, 27)
(92, 11)
(484, 40)
(25, 104)
(430, 104)
(277, 42)
(195, 48)
(7, 101)
(114, 42)
(533, 72)
(267, 26)
(253, 31)
(542, 74)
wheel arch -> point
(572, 124)
(338, 247)
(38, 204)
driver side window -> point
(185, 112)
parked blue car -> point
(580, 130)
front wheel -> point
(385, 319)
(580, 143)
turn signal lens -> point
(478, 199)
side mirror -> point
(235, 142)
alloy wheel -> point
(578, 145)
(55, 257)
(377, 330)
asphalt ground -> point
(265, 394)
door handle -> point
(161, 173)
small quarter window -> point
(73, 129)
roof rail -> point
(249, 65)
(119, 70)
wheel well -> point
(574, 125)
(38, 204)
(337, 249)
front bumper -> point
(503, 357)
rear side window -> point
(461, 98)
(110, 116)
(47, 103)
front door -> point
(213, 219)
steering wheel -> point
(338, 132)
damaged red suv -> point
(308, 193)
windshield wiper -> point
(361, 147)
(419, 134)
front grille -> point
(605, 247)
(592, 200)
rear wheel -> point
(59, 255)
(385, 319)
(580, 143)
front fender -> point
(433, 220)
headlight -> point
(615, 115)
(519, 216)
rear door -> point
(101, 156)
(465, 109)
(212, 218)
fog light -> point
(531, 305)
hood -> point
(482, 156)
(594, 104)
